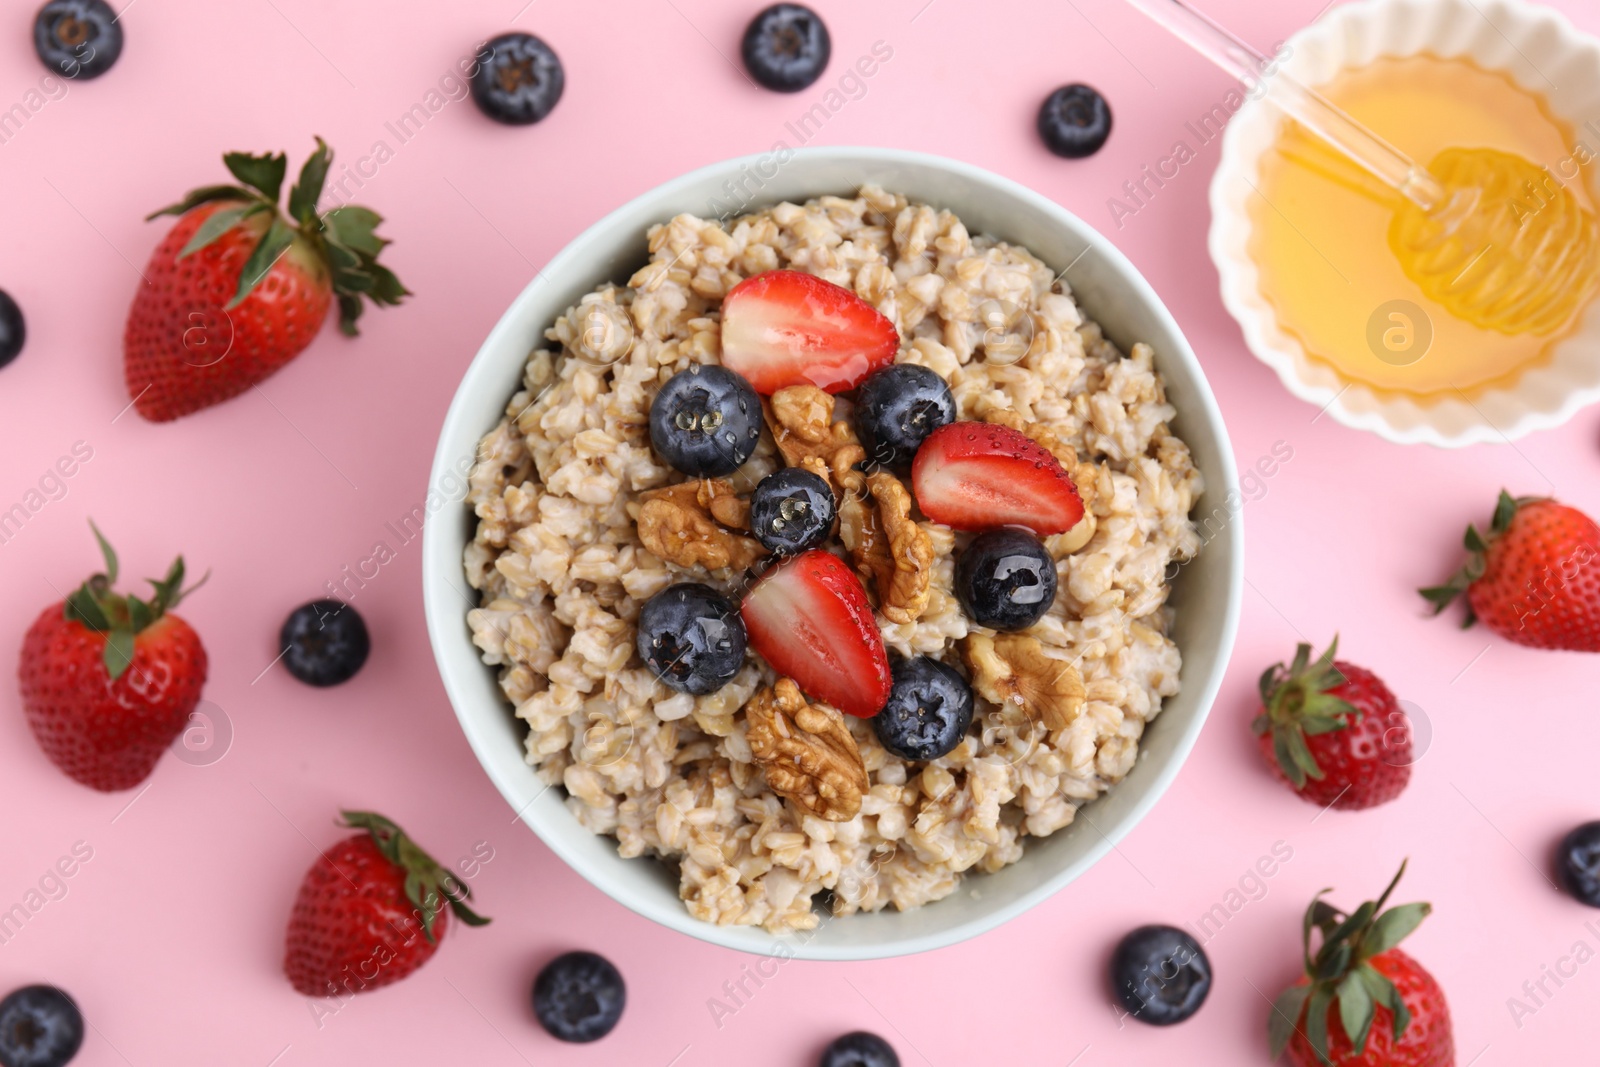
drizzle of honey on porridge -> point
(1321, 229)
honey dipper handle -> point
(1307, 106)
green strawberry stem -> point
(1477, 545)
(122, 617)
(344, 240)
(1297, 705)
(427, 883)
(1341, 972)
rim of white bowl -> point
(1541, 398)
(446, 614)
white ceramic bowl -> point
(1542, 53)
(1207, 591)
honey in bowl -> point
(1409, 304)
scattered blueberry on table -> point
(40, 1026)
(1005, 579)
(929, 710)
(325, 642)
(692, 637)
(1074, 121)
(1579, 863)
(791, 510)
(706, 421)
(1161, 975)
(78, 39)
(786, 47)
(897, 408)
(13, 330)
(520, 82)
(860, 1049)
(579, 997)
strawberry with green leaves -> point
(1534, 578)
(1362, 1002)
(108, 680)
(238, 288)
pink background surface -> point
(171, 936)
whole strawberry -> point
(1363, 1002)
(237, 289)
(108, 681)
(370, 911)
(1535, 579)
(1334, 731)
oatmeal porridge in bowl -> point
(827, 556)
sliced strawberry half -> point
(810, 619)
(785, 327)
(974, 476)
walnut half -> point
(807, 752)
(679, 523)
(1013, 669)
(802, 424)
(887, 545)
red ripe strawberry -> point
(1334, 731)
(236, 290)
(370, 911)
(785, 327)
(1363, 1002)
(1535, 579)
(108, 681)
(810, 619)
(974, 476)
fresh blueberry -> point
(579, 997)
(13, 330)
(324, 642)
(786, 47)
(1160, 974)
(692, 637)
(519, 79)
(1580, 863)
(792, 510)
(40, 1026)
(78, 38)
(706, 421)
(1074, 121)
(1006, 579)
(860, 1049)
(928, 711)
(898, 407)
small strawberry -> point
(1535, 579)
(236, 290)
(810, 619)
(108, 681)
(1334, 731)
(785, 327)
(370, 911)
(1363, 1002)
(975, 476)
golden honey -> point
(1354, 272)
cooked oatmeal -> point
(560, 483)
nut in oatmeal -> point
(679, 524)
(1014, 670)
(807, 752)
(888, 547)
(802, 424)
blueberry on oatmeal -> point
(520, 80)
(859, 1049)
(928, 712)
(1006, 579)
(1160, 974)
(579, 997)
(792, 510)
(897, 408)
(706, 421)
(1074, 121)
(692, 637)
(786, 47)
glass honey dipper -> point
(1490, 236)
